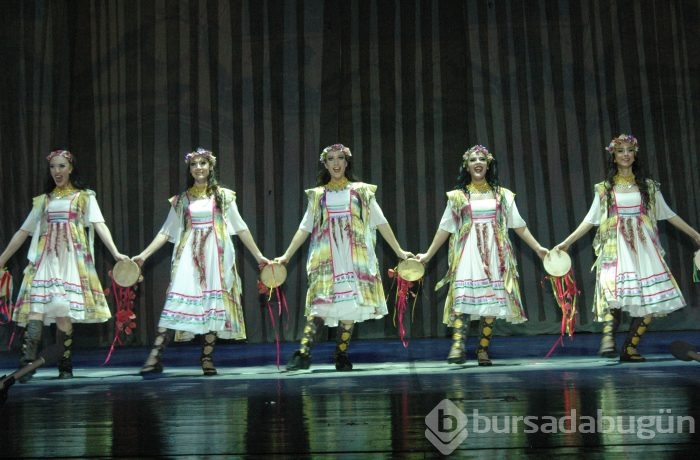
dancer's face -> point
(477, 165)
(200, 169)
(335, 164)
(624, 155)
(60, 169)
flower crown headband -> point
(200, 152)
(334, 148)
(480, 149)
(60, 153)
(622, 138)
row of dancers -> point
(342, 218)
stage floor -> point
(397, 402)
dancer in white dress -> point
(345, 285)
(482, 273)
(204, 296)
(60, 283)
(631, 273)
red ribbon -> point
(403, 290)
(124, 317)
(566, 294)
(281, 300)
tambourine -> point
(126, 273)
(273, 275)
(411, 269)
(557, 263)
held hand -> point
(404, 254)
(422, 258)
(262, 262)
(139, 259)
(120, 256)
(281, 260)
(561, 247)
(542, 252)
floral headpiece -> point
(480, 149)
(334, 148)
(623, 138)
(200, 152)
(60, 153)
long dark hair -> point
(464, 178)
(323, 176)
(75, 177)
(640, 175)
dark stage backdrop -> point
(130, 86)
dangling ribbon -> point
(6, 307)
(566, 294)
(125, 317)
(281, 300)
(403, 290)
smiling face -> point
(200, 169)
(336, 163)
(477, 166)
(60, 169)
(624, 155)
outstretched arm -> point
(388, 235)
(156, 244)
(681, 225)
(15, 243)
(299, 238)
(106, 237)
(438, 240)
(582, 229)
(529, 239)
(249, 243)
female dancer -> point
(631, 274)
(60, 283)
(345, 285)
(482, 271)
(204, 296)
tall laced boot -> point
(30, 346)
(153, 363)
(629, 348)
(610, 326)
(342, 362)
(460, 327)
(301, 359)
(208, 342)
(65, 364)
(486, 329)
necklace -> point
(60, 192)
(624, 181)
(198, 191)
(479, 189)
(337, 185)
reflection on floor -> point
(398, 401)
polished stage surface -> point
(397, 403)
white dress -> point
(643, 282)
(479, 288)
(56, 290)
(201, 298)
(345, 305)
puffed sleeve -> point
(31, 221)
(235, 219)
(307, 222)
(171, 227)
(94, 213)
(663, 211)
(593, 216)
(376, 214)
(515, 220)
(447, 223)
